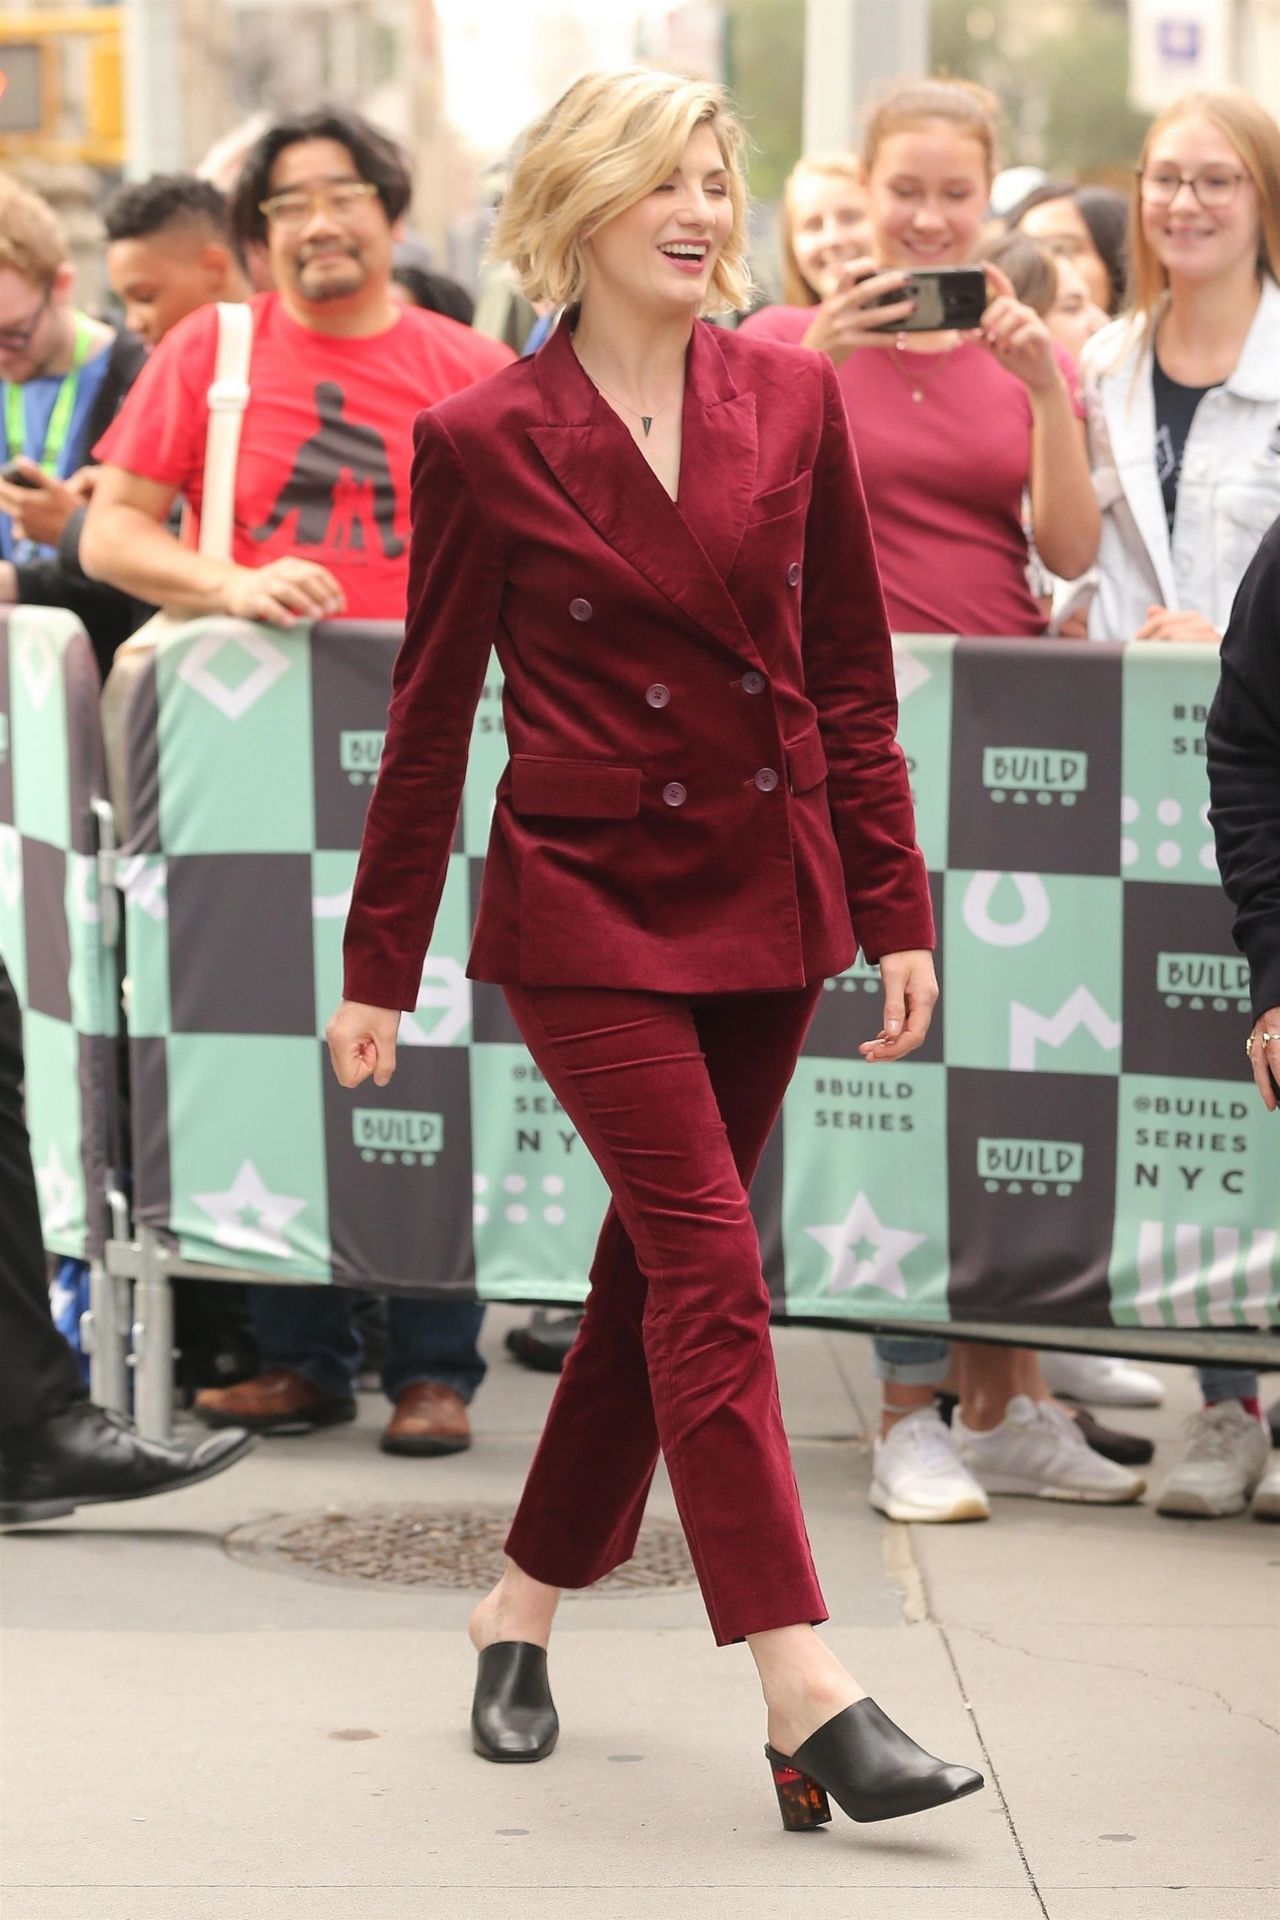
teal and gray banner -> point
(1079, 1143)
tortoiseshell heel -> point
(801, 1801)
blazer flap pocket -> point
(574, 789)
(806, 762)
(780, 501)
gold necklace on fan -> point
(918, 391)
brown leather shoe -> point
(429, 1418)
(277, 1401)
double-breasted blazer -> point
(704, 792)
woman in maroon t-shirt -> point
(951, 431)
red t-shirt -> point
(944, 479)
(326, 442)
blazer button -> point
(580, 609)
(766, 779)
(794, 574)
(658, 695)
(753, 682)
(674, 794)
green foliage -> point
(1060, 69)
(764, 67)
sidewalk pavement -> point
(190, 1738)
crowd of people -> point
(1098, 459)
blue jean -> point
(910, 1359)
(1227, 1383)
(311, 1331)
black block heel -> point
(513, 1716)
(801, 1801)
(868, 1766)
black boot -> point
(513, 1716)
(870, 1768)
(544, 1342)
(84, 1456)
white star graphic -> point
(57, 1191)
(859, 1228)
(248, 1195)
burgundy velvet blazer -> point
(705, 793)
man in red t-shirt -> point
(339, 372)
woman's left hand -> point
(1163, 623)
(1018, 337)
(910, 995)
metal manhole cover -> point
(458, 1548)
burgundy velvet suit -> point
(704, 801)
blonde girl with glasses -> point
(1183, 396)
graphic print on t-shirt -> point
(340, 485)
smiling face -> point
(1193, 243)
(1073, 317)
(828, 225)
(1059, 227)
(338, 251)
(927, 196)
(660, 254)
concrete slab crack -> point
(992, 1776)
(1116, 1666)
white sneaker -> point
(917, 1475)
(1266, 1495)
(1100, 1380)
(1220, 1469)
(1037, 1449)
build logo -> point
(1030, 1166)
(391, 1134)
(359, 755)
(1044, 774)
(1199, 980)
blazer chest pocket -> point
(573, 789)
(780, 501)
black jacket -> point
(1243, 741)
(108, 616)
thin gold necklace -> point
(918, 392)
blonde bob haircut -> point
(1247, 126)
(606, 143)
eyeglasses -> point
(1214, 187)
(293, 208)
(18, 339)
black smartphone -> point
(18, 476)
(944, 296)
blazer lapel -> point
(685, 550)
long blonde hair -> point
(607, 142)
(796, 291)
(1255, 136)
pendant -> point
(646, 421)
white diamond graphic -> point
(445, 990)
(38, 664)
(57, 1191)
(911, 674)
(10, 867)
(889, 1248)
(146, 885)
(248, 1200)
(233, 701)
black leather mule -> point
(513, 1716)
(868, 1766)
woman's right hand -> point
(362, 1041)
(847, 320)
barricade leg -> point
(106, 1338)
(152, 1342)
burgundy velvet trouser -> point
(674, 1099)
